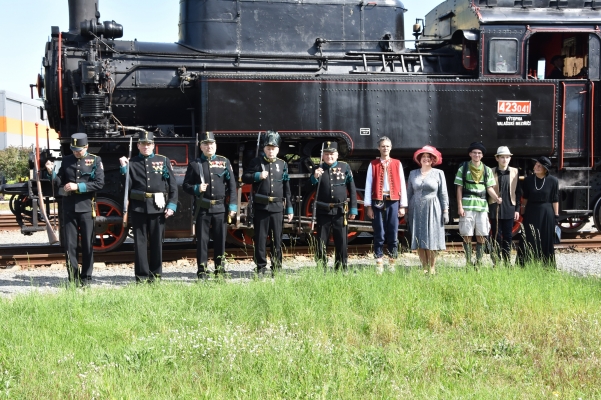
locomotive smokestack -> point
(81, 10)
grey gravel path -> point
(17, 280)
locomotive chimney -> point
(81, 10)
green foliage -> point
(14, 163)
(502, 333)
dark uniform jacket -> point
(152, 174)
(88, 173)
(269, 193)
(217, 173)
(335, 181)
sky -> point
(25, 29)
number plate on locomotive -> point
(513, 107)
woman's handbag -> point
(557, 236)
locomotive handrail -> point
(60, 74)
(390, 53)
(592, 128)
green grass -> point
(505, 333)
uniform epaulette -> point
(216, 155)
(342, 162)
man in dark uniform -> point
(152, 198)
(81, 174)
(271, 187)
(210, 179)
(332, 208)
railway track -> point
(31, 256)
(8, 222)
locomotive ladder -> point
(581, 95)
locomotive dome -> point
(283, 26)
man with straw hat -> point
(502, 216)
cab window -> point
(503, 56)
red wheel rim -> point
(241, 237)
(108, 236)
(573, 224)
(308, 212)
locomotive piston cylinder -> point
(92, 106)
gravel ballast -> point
(21, 279)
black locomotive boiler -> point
(337, 70)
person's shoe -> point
(85, 283)
(391, 265)
(379, 266)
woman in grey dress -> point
(428, 207)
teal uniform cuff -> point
(313, 180)
(289, 210)
(172, 206)
(233, 207)
(354, 211)
(123, 169)
(257, 176)
(197, 190)
(81, 187)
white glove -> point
(445, 218)
(159, 200)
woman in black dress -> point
(541, 199)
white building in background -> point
(18, 116)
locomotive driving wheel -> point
(108, 234)
(241, 237)
(308, 212)
(573, 224)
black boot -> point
(479, 254)
(467, 248)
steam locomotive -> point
(337, 70)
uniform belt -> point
(386, 197)
(325, 206)
(139, 195)
(264, 199)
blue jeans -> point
(386, 226)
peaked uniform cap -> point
(207, 137)
(146, 137)
(272, 138)
(330, 147)
(79, 141)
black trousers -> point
(210, 226)
(268, 224)
(148, 232)
(504, 236)
(335, 224)
(75, 224)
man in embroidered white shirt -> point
(385, 201)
